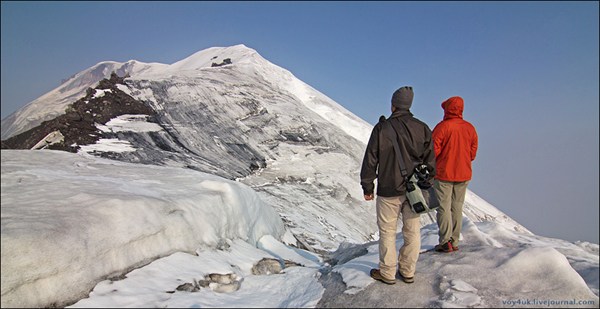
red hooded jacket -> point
(454, 143)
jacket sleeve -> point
(474, 145)
(437, 139)
(429, 153)
(368, 171)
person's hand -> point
(368, 197)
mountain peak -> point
(205, 58)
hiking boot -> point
(454, 247)
(375, 274)
(406, 279)
(446, 247)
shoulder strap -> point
(397, 150)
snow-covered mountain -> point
(226, 112)
(230, 112)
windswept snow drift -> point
(69, 221)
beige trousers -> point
(449, 215)
(388, 212)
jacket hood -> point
(453, 108)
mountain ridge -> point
(255, 122)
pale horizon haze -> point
(528, 72)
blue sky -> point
(528, 72)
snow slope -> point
(135, 234)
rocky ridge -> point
(79, 123)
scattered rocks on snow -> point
(227, 283)
(267, 266)
(223, 245)
(220, 283)
(221, 278)
(270, 266)
(189, 287)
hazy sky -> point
(528, 72)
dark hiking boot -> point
(446, 247)
(375, 274)
(406, 279)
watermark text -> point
(534, 302)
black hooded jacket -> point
(380, 160)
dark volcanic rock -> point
(78, 124)
(226, 61)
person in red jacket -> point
(455, 146)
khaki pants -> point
(388, 212)
(449, 215)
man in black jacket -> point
(381, 163)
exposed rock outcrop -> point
(78, 124)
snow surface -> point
(123, 123)
(100, 93)
(133, 233)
